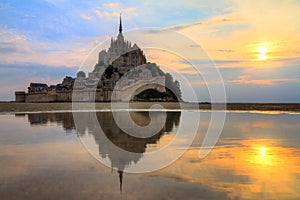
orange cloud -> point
(263, 82)
(243, 31)
(113, 10)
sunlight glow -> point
(263, 157)
(263, 151)
(262, 50)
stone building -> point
(120, 69)
(121, 54)
(37, 87)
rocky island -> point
(121, 74)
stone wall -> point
(128, 92)
(61, 96)
(64, 96)
(87, 95)
(20, 96)
(125, 94)
(40, 97)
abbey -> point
(121, 74)
(122, 54)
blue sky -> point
(46, 40)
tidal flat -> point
(13, 107)
(49, 152)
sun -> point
(262, 50)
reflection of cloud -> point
(15, 165)
(235, 168)
(241, 169)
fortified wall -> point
(63, 96)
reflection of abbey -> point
(130, 149)
(121, 74)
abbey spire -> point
(120, 26)
(121, 53)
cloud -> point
(18, 76)
(13, 41)
(245, 27)
(19, 48)
(7, 47)
(226, 50)
(213, 22)
(110, 11)
(85, 16)
(62, 33)
(207, 63)
(263, 82)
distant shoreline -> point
(14, 107)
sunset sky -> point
(254, 44)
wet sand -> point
(13, 107)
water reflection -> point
(257, 156)
(113, 136)
(251, 169)
(64, 119)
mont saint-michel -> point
(122, 73)
(91, 107)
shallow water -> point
(53, 156)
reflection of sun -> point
(269, 167)
(264, 156)
(262, 50)
(263, 151)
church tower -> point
(120, 39)
(120, 26)
(121, 54)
